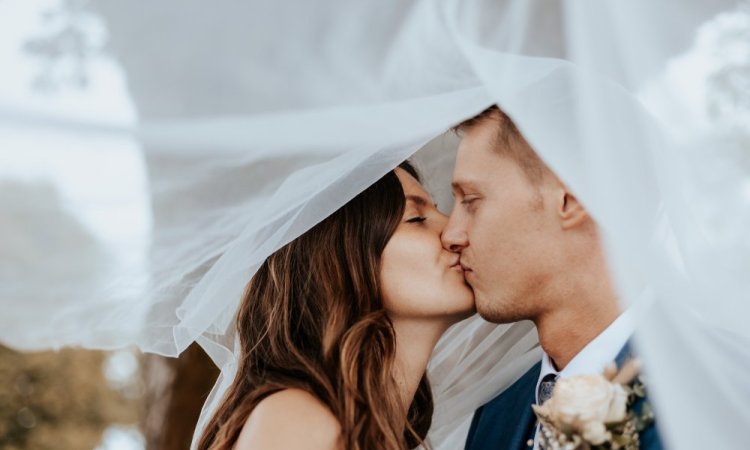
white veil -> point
(153, 154)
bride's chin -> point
(465, 313)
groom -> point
(531, 252)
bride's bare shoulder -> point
(291, 418)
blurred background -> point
(56, 60)
(76, 399)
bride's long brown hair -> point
(312, 318)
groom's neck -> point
(567, 328)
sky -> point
(99, 177)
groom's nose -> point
(454, 235)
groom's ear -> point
(570, 211)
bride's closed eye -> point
(417, 219)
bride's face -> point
(419, 278)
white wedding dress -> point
(153, 154)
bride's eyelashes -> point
(417, 219)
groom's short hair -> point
(509, 141)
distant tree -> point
(176, 389)
(57, 400)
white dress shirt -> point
(594, 357)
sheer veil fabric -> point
(155, 153)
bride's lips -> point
(456, 266)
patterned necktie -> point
(546, 387)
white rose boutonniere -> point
(594, 412)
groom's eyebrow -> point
(460, 185)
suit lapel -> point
(526, 422)
(507, 422)
(625, 354)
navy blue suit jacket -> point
(507, 422)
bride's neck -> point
(415, 341)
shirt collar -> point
(595, 356)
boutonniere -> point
(595, 412)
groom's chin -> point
(495, 313)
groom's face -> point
(501, 227)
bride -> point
(337, 327)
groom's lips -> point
(467, 273)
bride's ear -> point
(570, 211)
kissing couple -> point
(337, 327)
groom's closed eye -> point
(470, 201)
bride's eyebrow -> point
(418, 200)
